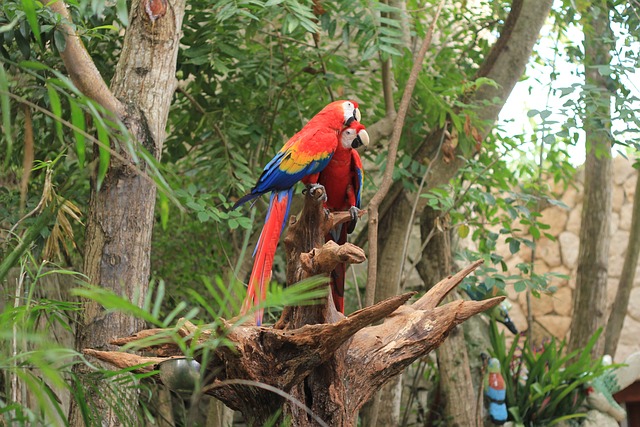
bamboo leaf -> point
(122, 12)
(104, 152)
(77, 119)
(29, 8)
(6, 113)
(56, 109)
(163, 202)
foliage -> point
(544, 385)
(35, 332)
(28, 354)
(250, 73)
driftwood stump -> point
(329, 364)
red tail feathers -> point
(265, 251)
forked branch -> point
(318, 356)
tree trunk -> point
(387, 411)
(621, 302)
(505, 64)
(456, 384)
(589, 305)
(120, 217)
(329, 369)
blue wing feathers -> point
(359, 191)
(275, 179)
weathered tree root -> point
(331, 362)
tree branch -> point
(80, 66)
(621, 302)
(387, 178)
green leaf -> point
(463, 231)
(23, 44)
(59, 40)
(390, 50)
(163, 203)
(122, 12)
(520, 286)
(56, 109)
(77, 120)
(5, 103)
(33, 65)
(203, 216)
(535, 232)
(29, 8)
(514, 246)
(104, 152)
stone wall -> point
(552, 313)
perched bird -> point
(495, 392)
(342, 179)
(500, 312)
(307, 153)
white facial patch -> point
(347, 137)
(350, 111)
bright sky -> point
(539, 92)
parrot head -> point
(337, 115)
(354, 136)
(351, 111)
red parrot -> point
(342, 179)
(307, 153)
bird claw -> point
(354, 211)
(327, 212)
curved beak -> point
(361, 139)
(354, 118)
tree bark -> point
(621, 302)
(505, 64)
(456, 385)
(391, 244)
(589, 305)
(120, 217)
(329, 370)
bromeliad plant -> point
(544, 385)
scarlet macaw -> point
(307, 153)
(342, 179)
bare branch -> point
(27, 161)
(436, 294)
(124, 360)
(387, 179)
(80, 66)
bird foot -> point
(355, 214)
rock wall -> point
(552, 313)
